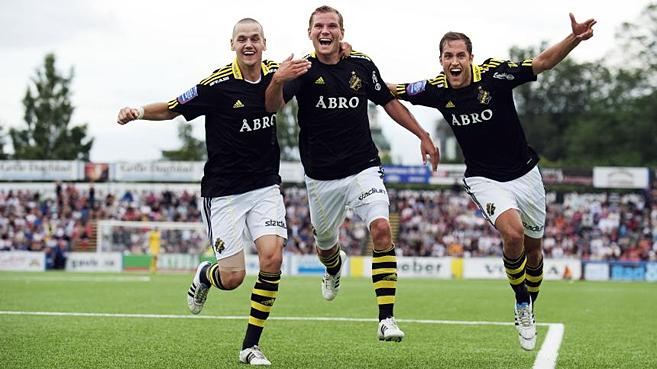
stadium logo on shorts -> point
(371, 192)
(490, 208)
(219, 246)
(533, 228)
(275, 223)
(355, 83)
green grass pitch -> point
(607, 324)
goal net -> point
(136, 237)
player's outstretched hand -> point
(126, 115)
(290, 69)
(429, 152)
(583, 31)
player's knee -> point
(232, 280)
(513, 238)
(381, 234)
(534, 255)
(271, 263)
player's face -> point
(326, 34)
(248, 44)
(457, 62)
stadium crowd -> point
(602, 226)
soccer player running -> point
(242, 202)
(340, 159)
(501, 174)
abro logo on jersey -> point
(337, 102)
(258, 123)
(472, 118)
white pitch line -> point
(239, 317)
(545, 359)
(78, 279)
(547, 356)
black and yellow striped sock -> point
(533, 280)
(384, 277)
(210, 276)
(515, 271)
(263, 297)
(332, 262)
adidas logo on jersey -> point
(320, 81)
(450, 104)
(238, 104)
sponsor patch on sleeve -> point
(188, 95)
(416, 87)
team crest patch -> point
(355, 83)
(483, 96)
(188, 95)
(416, 87)
(490, 208)
(218, 246)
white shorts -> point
(364, 193)
(234, 222)
(526, 194)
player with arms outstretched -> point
(242, 202)
(338, 154)
(502, 175)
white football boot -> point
(526, 325)
(253, 356)
(389, 331)
(331, 283)
(198, 292)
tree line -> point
(579, 114)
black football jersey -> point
(334, 129)
(243, 151)
(483, 117)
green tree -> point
(621, 129)
(48, 111)
(561, 98)
(287, 130)
(192, 149)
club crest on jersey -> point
(188, 95)
(416, 87)
(218, 246)
(355, 83)
(490, 208)
(483, 96)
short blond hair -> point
(248, 20)
(326, 9)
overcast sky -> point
(129, 53)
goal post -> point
(134, 237)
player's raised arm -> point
(154, 111)
(556, 53)
(404, 118)
(288, 70)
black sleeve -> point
(508, 74)
(291, 88)
(377, 90)
(427, 92)
(194, 102)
